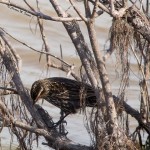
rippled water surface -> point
(24, 28)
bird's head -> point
(38, 91)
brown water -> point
(23, 28)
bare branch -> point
(100, 5)
(134, 113)
(76, 36)
(11, 67)
(94, 9)
(38, 14)
(46, 46)
(29, 5)
(111, 113)
(58, 142)
(67, 70)
(78, 12)
(41, 52)
(140, 23)
(13, 51)
(8, 91)
(107, 132)
(114, 12)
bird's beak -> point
(38, 96)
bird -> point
(63, 93)
(67, 94)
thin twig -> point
(21, 9)
(94, 9)
(46, 53)
(13, 51)
(29, 5)
(46, 46)
(61, 141)
(100, 5)
(11, 91)
(67, 70)
(78, 11)
(138, 61)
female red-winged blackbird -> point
(66, 94)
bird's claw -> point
(55, 125)
(64, 122)
(64, 133)
(58, 123)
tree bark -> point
(139, 22)
(56, 140)
(77, 38)
(111, 112)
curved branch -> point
(57, 141)
(134, 113)
(139, 22)
(65, 70)
(41, 52)
(100, 5)
(44, 39)
(37, 14)
(13, 51)
(78, 11)
(8, 91)
(10, 65)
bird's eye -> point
(33, 94)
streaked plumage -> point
(64, 93)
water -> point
(24, 28)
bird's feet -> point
(58, 123)
(62, 129)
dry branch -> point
(37, 14)
(53, 138)
(139, 22)
(7, 91)
(111, 112)
(65, 69)
(44, 39)
(135, 17)
(11, 67)
(77, 38)
(134, 113)
(57, 140)
(66, 66)
(117, 10)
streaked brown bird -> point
(67, 94)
